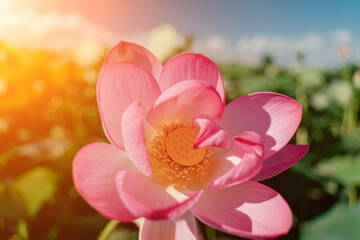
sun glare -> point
(6, 5)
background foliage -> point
(48, 111)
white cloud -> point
(282, 49)
(309, 41)
(51, 31)
(216, 43)
(342, 36)
(251, 49)
(215, 47)
(54, 31)
(60, 32)
(320, 49)
(261, 44)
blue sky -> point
(281, 17)
(232, 18)
(226, 29)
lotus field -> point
(54, 104)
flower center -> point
(179, 145)
(173, 159)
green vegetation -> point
(48, 111)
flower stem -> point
(350, 111)
(108, 229)
(352, 195)
(301, 96)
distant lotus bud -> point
(344, 51)
(320, 101)
(341, 92)
(356, 79)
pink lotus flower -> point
(177, 151)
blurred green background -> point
(48, 111)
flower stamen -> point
(174, 160)
(179, 145)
